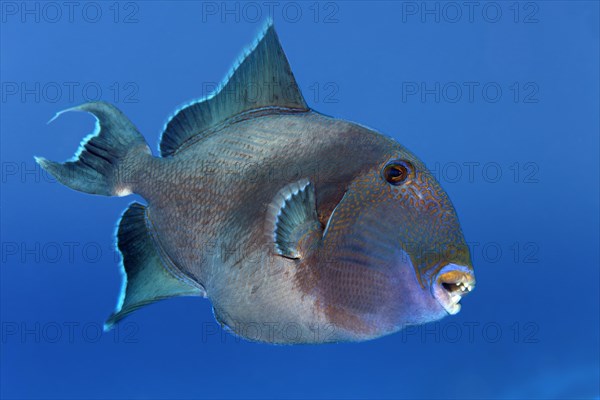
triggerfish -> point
(299, 227)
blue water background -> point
(530, 329)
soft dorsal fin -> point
(263, 79)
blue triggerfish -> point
(299, 227)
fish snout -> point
(451, 284)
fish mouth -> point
(451, 284)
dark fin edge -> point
(146, 279)
(292, 216)
(96, 167)
(266, 63)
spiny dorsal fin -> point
(263, 79)
(147, 278)
(292, 219)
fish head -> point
(422, 220)
(396, 232)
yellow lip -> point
(452, 283)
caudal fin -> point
(106, 158)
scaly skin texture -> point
(371, 273)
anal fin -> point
(147, 278)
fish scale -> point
(296, 226)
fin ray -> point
(292, 219)
(98, 165)
(263, 80)
(147, 279)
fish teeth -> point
(465, 286)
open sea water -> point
(500, 99)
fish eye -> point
(397, 172)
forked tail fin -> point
(106, 159)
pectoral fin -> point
(292, 220)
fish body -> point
(299, 227)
